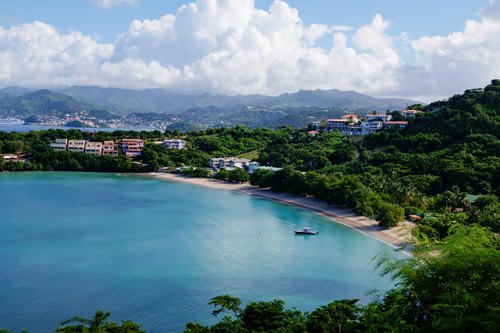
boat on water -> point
(306, 231)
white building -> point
(352, 117)
(76, 146)
(410, 113)
(175, 144)
(59, 144)
(337, 124)
(379, 117)
(93, 148)
(368, 127)
(227, 162)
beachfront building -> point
(378, 117)
(227, 162)
(132, 147)
(93, 148)
(175, 144)
(77, 146)
(109, 148)
(59, 144)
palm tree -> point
(84, 325)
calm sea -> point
(155, 251)
(16, 127)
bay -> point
(156, 252)
(17, 127)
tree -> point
(222, 174)
(98, 324)
(226, 303)
(389, 215)
(271, 317)
(336, 317)
(238, 175)
(451, 286)
(257, 177)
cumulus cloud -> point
(113, 3)
(230, 46)
(463, 59)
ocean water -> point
(156, 252)
(6, 126)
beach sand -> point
(396, 237)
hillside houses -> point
(130, 147)
(352, 124)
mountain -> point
(336, 98)
(125, 101)
(46, 102)
(15, 91)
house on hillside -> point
(77, 146)
(109, 148)
(410, 113)
(352, 117)
(132, 147)
(175, 144)
(93, 148)
(378, 117)
(59, 144)
(396, 124)
(369, 127)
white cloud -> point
(113, 3)
(230, 46)
(461, 60)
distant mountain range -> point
(197, 110)
(124, 101)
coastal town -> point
(349, 125)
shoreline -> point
(396, 237)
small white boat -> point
(306, 231)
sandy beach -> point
(396, 237)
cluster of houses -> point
(129, 147)
(351, 124)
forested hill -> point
(45, 102)
(458, 140)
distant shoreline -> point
(395, 237)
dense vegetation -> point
(443, 167)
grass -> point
(251, 155)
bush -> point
(389, 215)
(238, 175)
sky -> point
(420, 49)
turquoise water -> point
(156, 251)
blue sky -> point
(407, 48)
(416, 17)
